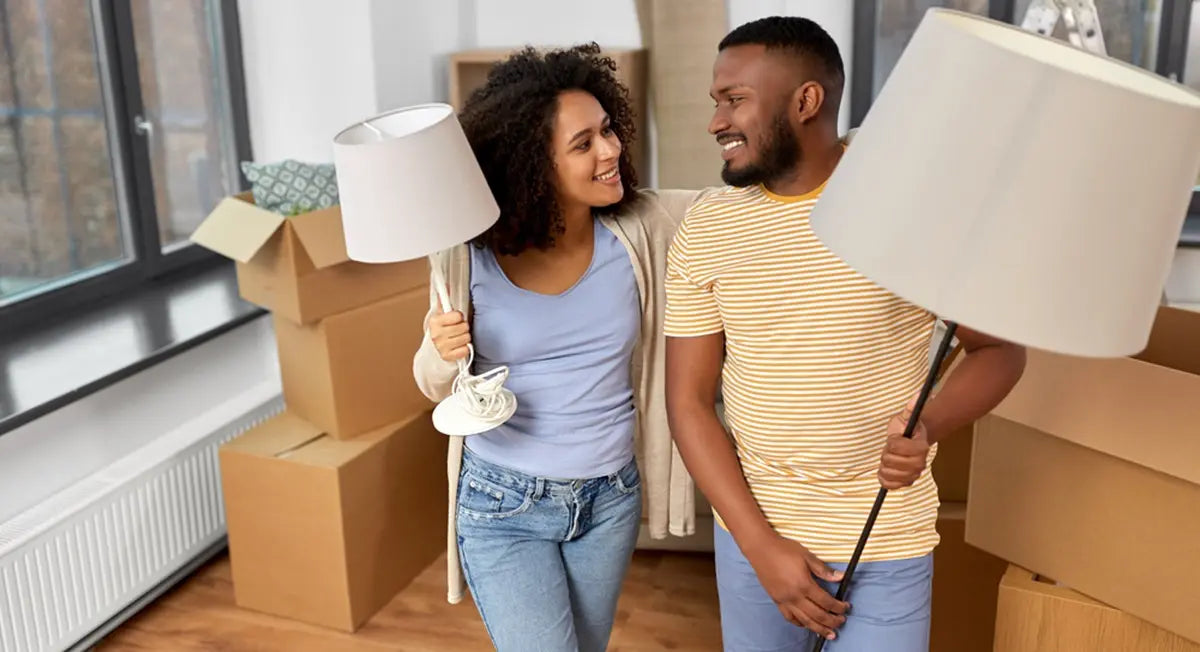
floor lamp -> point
(410, 187)
(1018, 186)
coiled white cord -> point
(483, 396)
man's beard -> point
(778, 154)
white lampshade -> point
(409, 185)
(1018, 186)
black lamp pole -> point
(930, 380)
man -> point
(816, 365)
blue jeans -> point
(545, 558)
(890, 607)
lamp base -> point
(453, 415)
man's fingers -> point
(822, 570)
(902, 462)
(820, 621)
(825, 602)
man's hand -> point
(789, 573)
(903, 459)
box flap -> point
(276, 436)
(1175, 340)
(335, 453)
(320, 232)
(1123, 407)
(237, 229)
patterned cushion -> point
(292, 187)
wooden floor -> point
(669, 603)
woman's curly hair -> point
(509, 123)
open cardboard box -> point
(326, 531)
(297, 267)
(1089, 472)
(1036, 615)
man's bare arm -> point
(990, 369)
(693, 377)
(784, 567)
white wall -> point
(309, 72)
(315, 66)
(611, 24)
(836, 16)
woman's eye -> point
(607, 131)
(583, 146)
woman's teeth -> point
(606, 176)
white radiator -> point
(77, 560)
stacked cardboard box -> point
(1036, 615)
(1087, 473)
(336, 504)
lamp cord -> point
(482, 396)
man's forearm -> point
(975, 387)
(712, 461)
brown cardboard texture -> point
(352, 372)
(952, 465)
(1089, 472)
(297, 267)
(1035, 615)
(965, 580)
(325, 531)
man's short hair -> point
(794, 35)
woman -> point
(566, 291)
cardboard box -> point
(1035, 615)
(965, 580)
(326, 531)
(1089, 472)
(297, 267)
(468, 70)
(352, 372)
(952, 466)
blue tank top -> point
(569, 361)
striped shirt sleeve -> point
(692, 309)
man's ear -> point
(807, 100)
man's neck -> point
(816, 165)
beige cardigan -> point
(646, 228)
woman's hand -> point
(450, 334)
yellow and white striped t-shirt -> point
(818, 359)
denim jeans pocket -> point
(628, 480)
(483, 498)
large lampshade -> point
(1018, 186)
(409, 185)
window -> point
(1191, 71)
(123, 124)
(1158, 35)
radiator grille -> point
(72, 563)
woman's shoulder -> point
(663, 204)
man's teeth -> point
(733, 143)
(606, 176)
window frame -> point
(1172, 53)
(132, 175)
